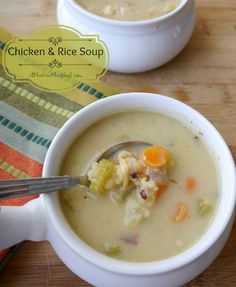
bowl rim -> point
(205, 242)
(125, 23)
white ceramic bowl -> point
(42, 219)
(134, 46)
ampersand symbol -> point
(51, 52)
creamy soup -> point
(130, 10)
(178, 216)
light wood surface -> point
(203, 76)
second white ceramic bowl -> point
(134, 46)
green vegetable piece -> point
(119, 195)
(204, 206)
(111, 248)
(85, 181)
(102, 173)
(170, 162)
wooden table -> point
(203, 76)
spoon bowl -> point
(112, 151)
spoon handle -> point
(24, 187)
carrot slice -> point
(155, 156)
(190, 184)
(181, 212)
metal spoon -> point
(24, 187)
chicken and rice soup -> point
(142, 205)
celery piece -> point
(119, 196)
(85, 181)
(99, 175)
(111, 248)
(170, 162)
(203, 206)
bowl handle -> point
(19, 223)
